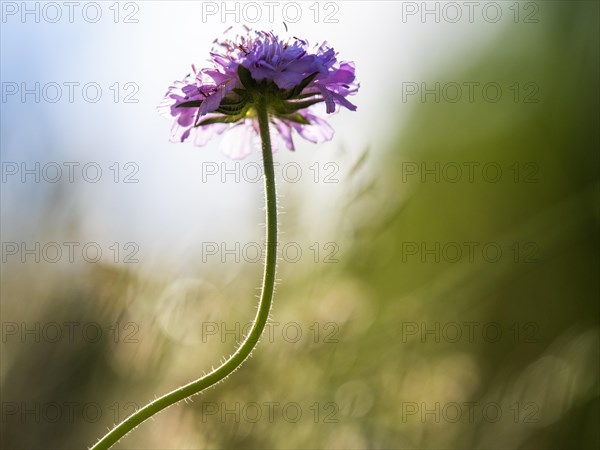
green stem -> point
(260, 321)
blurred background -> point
(438, 281)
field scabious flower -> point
(289, 77)
(258, 86)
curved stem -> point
(264, 307)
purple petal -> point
(239, 140)
(285, 132)
(318, 131)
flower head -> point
(286, 74)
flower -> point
(286, 74)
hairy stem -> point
(264, 307)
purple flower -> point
(287, 74)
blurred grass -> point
(373, 370)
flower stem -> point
(264, 307)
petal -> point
(285, 133)
(205, 133)
(190, 89)
(318, 131)
(340, 99)
(218, 77)
(330, 104)
(342, 75)
(260, 73)
(186, 118)
(179, 133)
(212, 102)
(287, 80)
(239, 141)
(308, 64)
